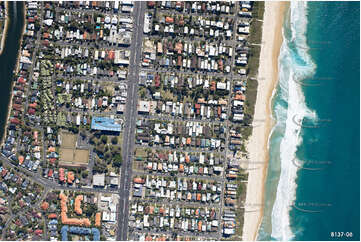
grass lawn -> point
(120, 140)
(140, 153)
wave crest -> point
(295, 64)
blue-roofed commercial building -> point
(105, 124)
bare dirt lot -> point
(66, 154)
(69, 154)
(81, 156)
(68, 140)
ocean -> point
(313, 181)
(8, 58)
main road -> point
(130, 120)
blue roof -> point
(138, 192)
(64, 233)
(96, 234)
(105, 124)
(53, 221)
(79, 230)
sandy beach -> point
(258, 142)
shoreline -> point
(258, 143)
(15, 71)
(6, 23)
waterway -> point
(8, 58)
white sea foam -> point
(294, 64)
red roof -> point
(21, 159)
(61, 174)
(31, 111)
(220, 64)
(179, 60)
(32, 105)
(52, 160)
(52, 215)
(111, 55)
(21, 80)
(4, 172)
(50, 173)
(157, 80)
(169, 20)
(100, 102)
(45, 205)
(15, 121)
(213, 85)
(70, 177)
(17, 106)
(138, 180)
(162, 156)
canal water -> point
(8, 58)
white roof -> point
(99, 180)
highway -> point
(130, 120)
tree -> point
(100, 167)
(114, 140)
(117, 160)
(115, 149)
(82, 134)
(93, 140)
(247, 119)
(74, 129)
(84, 174)
(104, 139)
(90, 210)
(99, 148)
(107, 155)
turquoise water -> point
(313, 179)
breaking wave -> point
(295, 64)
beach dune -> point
(258, 143)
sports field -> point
(69, 154)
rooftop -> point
(105, 124)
